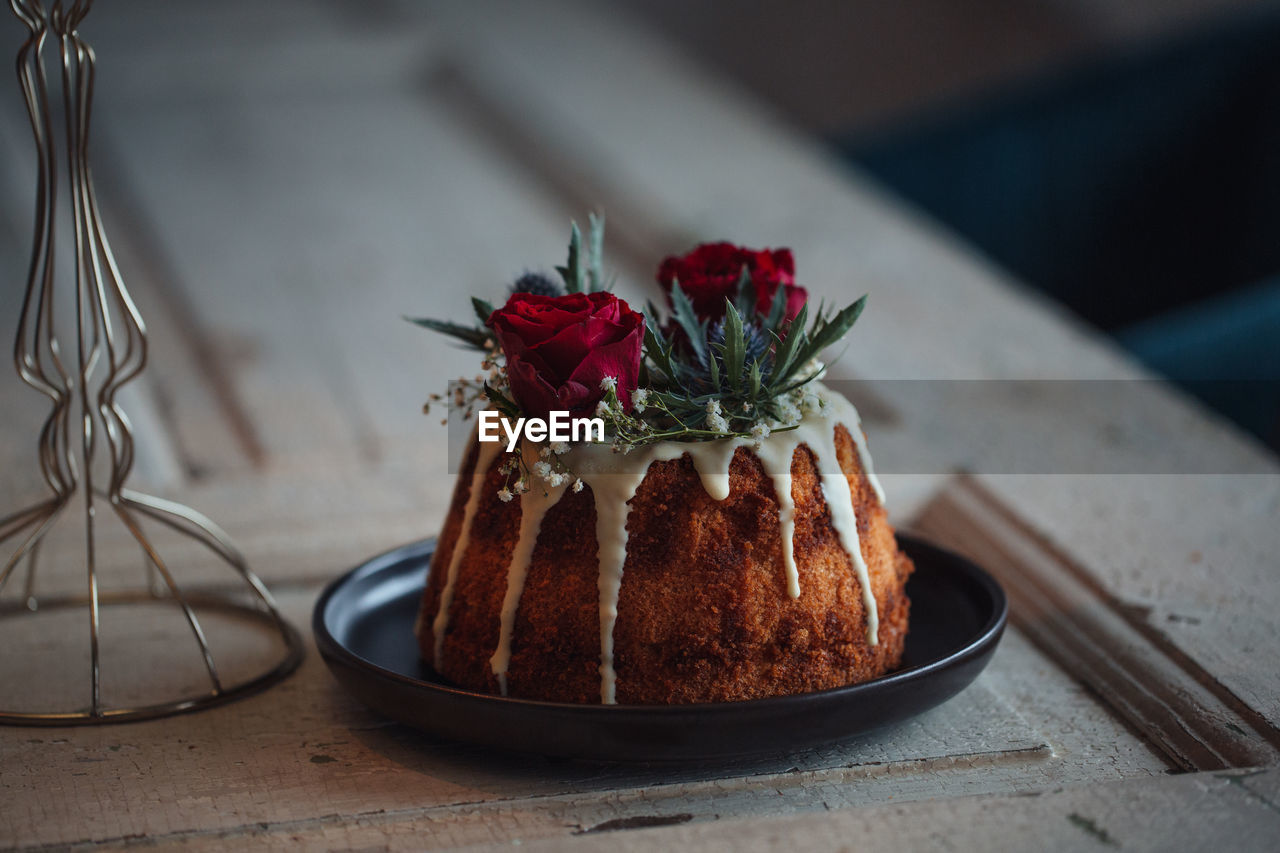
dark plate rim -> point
(978, 645)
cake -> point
(750, 556)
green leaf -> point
(483, 310)
(659, 352)
(595, 252)
(470, 335)
(571, 272)
(502, 403)
(735, 346)
(784, 357)
(753, 380)
(746, 293)
(687, 318)
(777, 309)
(830, 331)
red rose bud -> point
(558, 349)
(709, 274)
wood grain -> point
(1153, 686)
(306, 749)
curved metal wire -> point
(110, 350)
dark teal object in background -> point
(1140, 192)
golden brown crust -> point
(703, 613)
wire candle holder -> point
(86, 447)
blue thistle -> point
(536, 282)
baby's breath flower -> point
(715, 419)
(504, 494)
(542, 469)
(760, 431)
(556, 479)
(577, 485)
(559, 448)
(609, 383)
(639, 399)
(602, 408)
(788, 412)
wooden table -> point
(283, 181)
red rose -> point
(709, 274)
(558, 349)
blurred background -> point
(1118, 157)
(1121, 157)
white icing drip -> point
(487, 452)
(533, 508)
(711, 459)
(775, 455)
(611, 533)
(613, 479)
(835, 488)
(844, 412)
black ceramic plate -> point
(363, 624)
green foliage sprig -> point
(726, 377)
(582, 273)
(747, 374)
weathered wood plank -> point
(1194, 557)
(1194, 812)
(365, 227)
(1180, 706)
(306, 754)
(279, 756)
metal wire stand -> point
(110, 349)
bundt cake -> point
(681, 572)
(716, 534)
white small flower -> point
(715, 419)
(504, 495)
(559, 448)
(522, 486)
(639, 399)
(556, 479)
(602, 409)
(609, 383)
(788, 412)
(760, 431)
(577, 485)
(542, 469)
